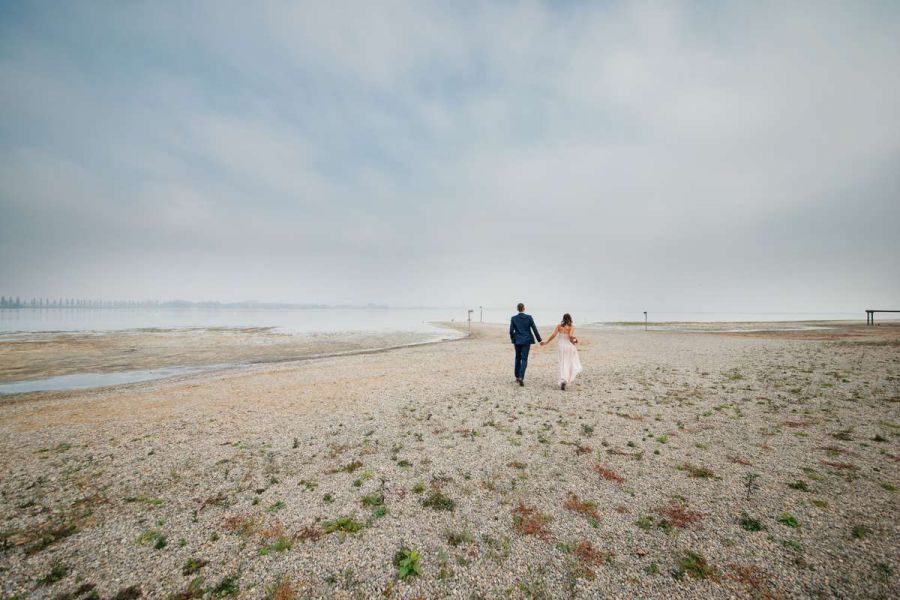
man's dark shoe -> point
(522, 383)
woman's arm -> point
(572, 334)
(550, 339)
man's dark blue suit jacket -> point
(520, 328)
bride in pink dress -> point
(569, 363)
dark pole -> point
(645, 320)
(481, 314)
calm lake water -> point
(283, 320)
(342, 320)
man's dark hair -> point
(520, 307)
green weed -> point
(57, 573)
(788, 519)
(436, 500)
(280, 545)
(748, 523)
(192, 566)
(693, 565)
(407, 562)
(343, 524)
(153, 536)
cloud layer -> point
(676, 156)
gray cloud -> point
(685, 157)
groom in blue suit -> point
(521, 327)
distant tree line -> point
(17, 302)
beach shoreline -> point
(35, 356)
(90, 359)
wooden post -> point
(870, 314)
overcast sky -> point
(608, 155)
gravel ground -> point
(680, 465)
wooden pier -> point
(870, 314)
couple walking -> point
(522, 333)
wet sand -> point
(38, 355)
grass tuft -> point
(227, 586)
(343, 524)
(693, 565)
(788, 519)
(696, 471)
(372, 500)
(436, 500)
(799, 485)
(154, 537)
(348, 468)
(748, 523)
(279, 545)
(57, 573)
(192, 566)
(860, 532)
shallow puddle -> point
(77, 381)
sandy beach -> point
(702, 464)
(33, 355)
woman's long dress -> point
(569, 363)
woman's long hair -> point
(567, 320)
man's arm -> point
(537, 334)
(512, 331)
